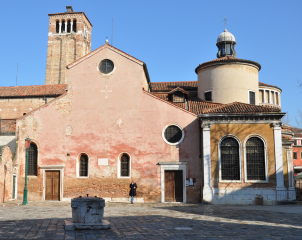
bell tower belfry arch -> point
(69, 38)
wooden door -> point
(52, 191)
(173, 186)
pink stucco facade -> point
(105, 116)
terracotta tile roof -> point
(237, 107)
(180, 90)
(227, 59)
(36, 90)
(168, 86)
(265, 84)
(195, 104)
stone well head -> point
(87, 209)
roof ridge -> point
(98, 49)
(42, 85)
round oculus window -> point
(173, 134)
(106, 66)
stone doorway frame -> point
(164, 166)
(53, 168)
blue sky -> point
(171, 37)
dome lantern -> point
(226, 45)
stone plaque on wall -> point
(68, 130)
(103, 161)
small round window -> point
(106, 66)
(173, 134)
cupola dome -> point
(226, 44)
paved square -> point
(45, 220)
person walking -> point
(132, 192)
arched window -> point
(74, 26)
(63, 26)
(125, 165)
(57, 27)
(68, 26)
(230, 165)
(32, 160)
(255, 159)
(83, 165)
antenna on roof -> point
(112, 34)
(17, 76)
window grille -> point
(32, 160)
(295, 155)
(173, 134)
(74, 26)
(125, 165)
(178, 97)
(106, 66)
(84, 166)
(230, 167)
(208, 96)
(252, 98)
(255, 161)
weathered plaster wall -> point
(105, 124)
(6, 174)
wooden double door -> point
(173, 186)
(52, 191)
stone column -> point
(71, 29)
(66, 26)
(278, 156)
(207, 189)
(60, 25)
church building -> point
(99, 122)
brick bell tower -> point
(69, 38)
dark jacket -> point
(132, 190)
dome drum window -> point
(106, 66)
(173, 134)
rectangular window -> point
(252, 97)
(277, 99)
(223, 50)
(301, 155)
(295, 155)
(272, 97)
(178, 97)
(261, 96)
(208, 96)
(228, 48)
(296, 142)
(267, 96)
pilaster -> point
(278, 155)
(206, 142)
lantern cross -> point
(225, 19)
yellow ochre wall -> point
(242, 131)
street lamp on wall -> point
(27, 145)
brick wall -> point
(12, 108)
(65, 48)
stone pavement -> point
(45, 220)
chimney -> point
(69, 9)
